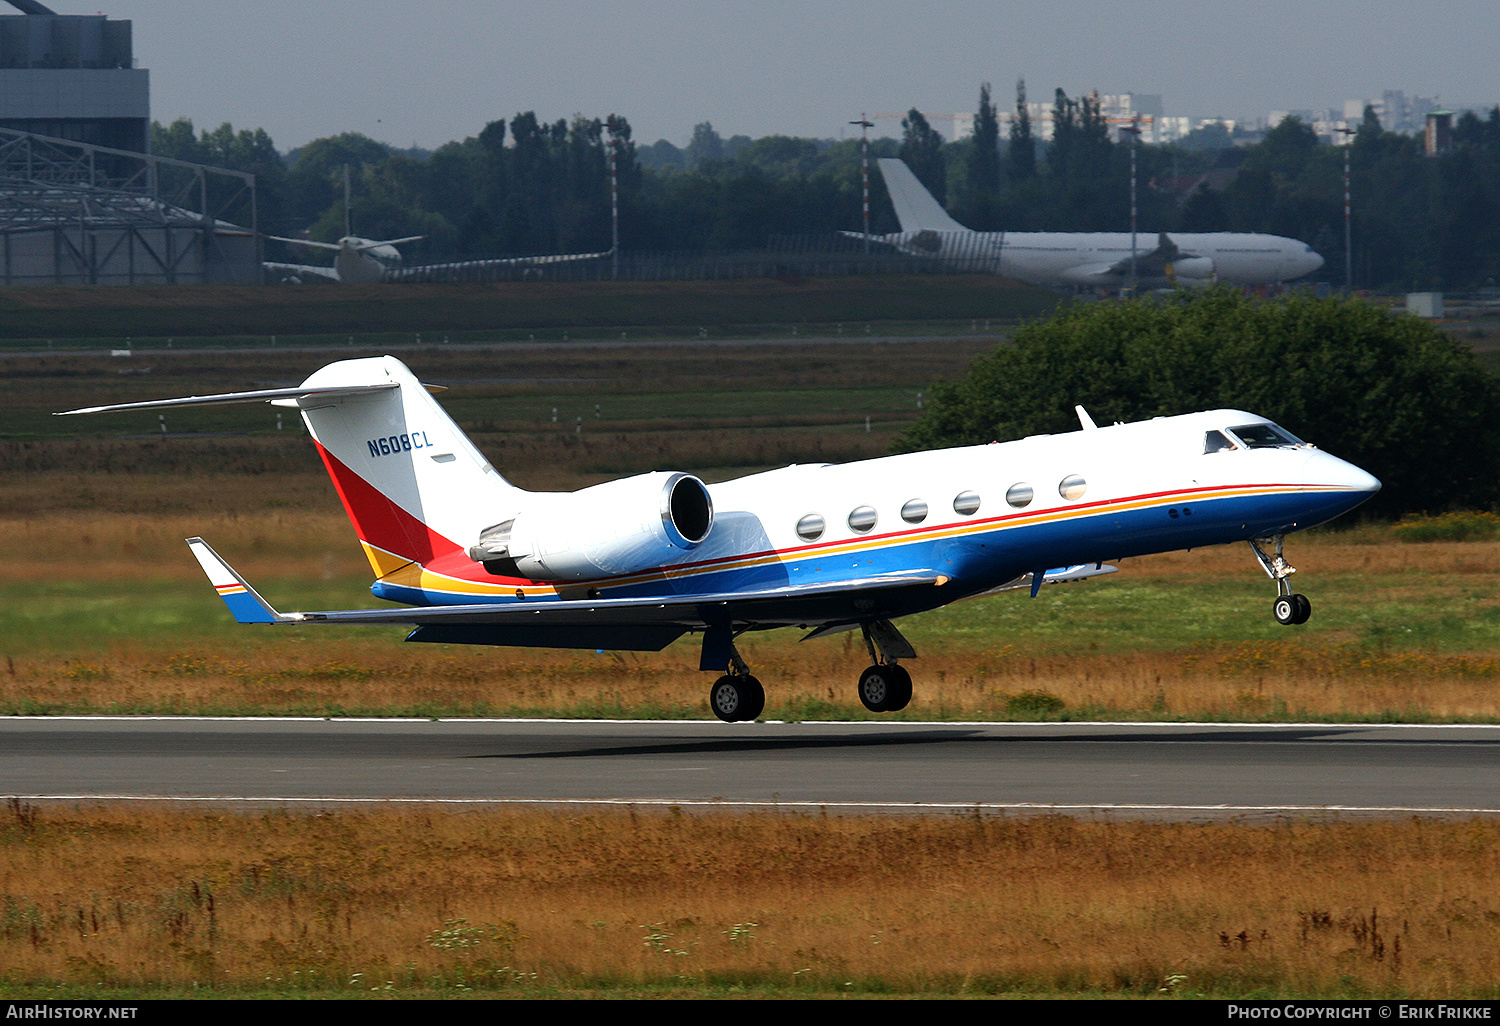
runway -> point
(1152, 770)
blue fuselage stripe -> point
(984, 559)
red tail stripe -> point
(380, 521)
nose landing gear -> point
(1288, 608)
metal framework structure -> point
(74, 213)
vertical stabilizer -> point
(413, 484)
(915, 208)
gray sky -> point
(430, 71)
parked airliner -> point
(1098, 259)
(370, 260)
(636, 563)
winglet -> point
(245, 604)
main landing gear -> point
(737, 697)
(1288, 608)
(885, 686)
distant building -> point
(72, 77)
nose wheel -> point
(1289, 609)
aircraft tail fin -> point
(915, 207)
(414, 486)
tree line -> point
(530, 186)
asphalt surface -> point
(1149, 770)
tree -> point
(984, 160)
(1392, 394)
(1022, 146)
(922, 149)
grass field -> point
(389, 903)
(395, 314)
(103, 609)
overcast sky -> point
(425, 72)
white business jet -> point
(1098, 259)
(636, 563)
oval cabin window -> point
(1072, 487)
(810, 527)
(966, 503)
(914, 512)
(1020, 495)
(862, 519)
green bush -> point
(1390, 393)
(1460, 525)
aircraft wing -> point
(588, 623)
(303, 271)
(421, 271)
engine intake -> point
(621, 527)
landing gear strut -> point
(737, 697)
(1288, 608)
(885, 686)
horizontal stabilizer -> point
(297, 396)
(244, 602)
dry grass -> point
(996, 659)
(539, 901)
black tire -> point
(900, 688)
(754, 699)
(1304, 608)
(727, 698)
(1285, 610)
(875, 688)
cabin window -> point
(862, 519)
(914, 512)
(966, 503)
(810, 527)
(1265, 436)
(1019, 495)
(1217, 441)
(1072, 487)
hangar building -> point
(82, 201)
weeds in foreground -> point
(528, 902)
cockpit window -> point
(1265, 436)
(1216, 441)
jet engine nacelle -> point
(1191, 269)
(620, 527)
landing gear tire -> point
(899, 695)
(885, 688)
(737, 698)
(1291, 609)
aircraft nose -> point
(1311, 262)
(1325, 469)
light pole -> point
(1347, 133)
(1134, 129)
(865, 124)
(614, 197)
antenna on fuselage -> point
(1085, 419)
